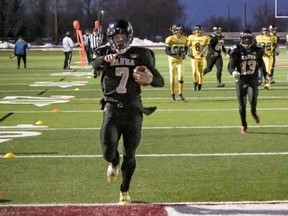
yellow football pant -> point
(198, 69)
(176, 71)
(268, 60)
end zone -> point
(275, 208)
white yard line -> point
(158, 110)
(3, 128)
(160, 155)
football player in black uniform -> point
(124, 69)
(245, 61)
(214, 57)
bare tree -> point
(10, 14)
(232, 24)
(150, 18)
(265, 16)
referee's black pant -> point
(67, 60)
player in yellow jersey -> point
(198, 47)
(176, 49)
(273, 33)
(266, 42)
(287, 42)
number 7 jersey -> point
(118, 84)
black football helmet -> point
(217, 30)
(272, 29)
(246, 39)
(120, 27)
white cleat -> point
(112, 173)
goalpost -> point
(283, 5)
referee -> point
(95, 41)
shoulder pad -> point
(232, 49)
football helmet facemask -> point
(246, 39)
(120, 27)
(217, 30)
(177, 30)
(264, 31)
(272, 29)
(198, 30)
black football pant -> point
(88, 55)
(19, 57)
(218, 62)
(126, 121)
(67, 60)
(243, 89)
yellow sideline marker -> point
(9, 155)
(39, 122)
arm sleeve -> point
(212, 43)
(232, 64)
(71, 44)
(204, 50)
(158, 80)
(98, 63)
(224, 49)
(169, 52)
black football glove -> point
(183, 55)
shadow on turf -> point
(268, 133)
(4, 200)
(139, 202)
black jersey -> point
(118, 84)
(216, 44)
(246, 61)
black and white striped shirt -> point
(95, 40)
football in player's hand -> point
(142, 75)
(140, 68)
